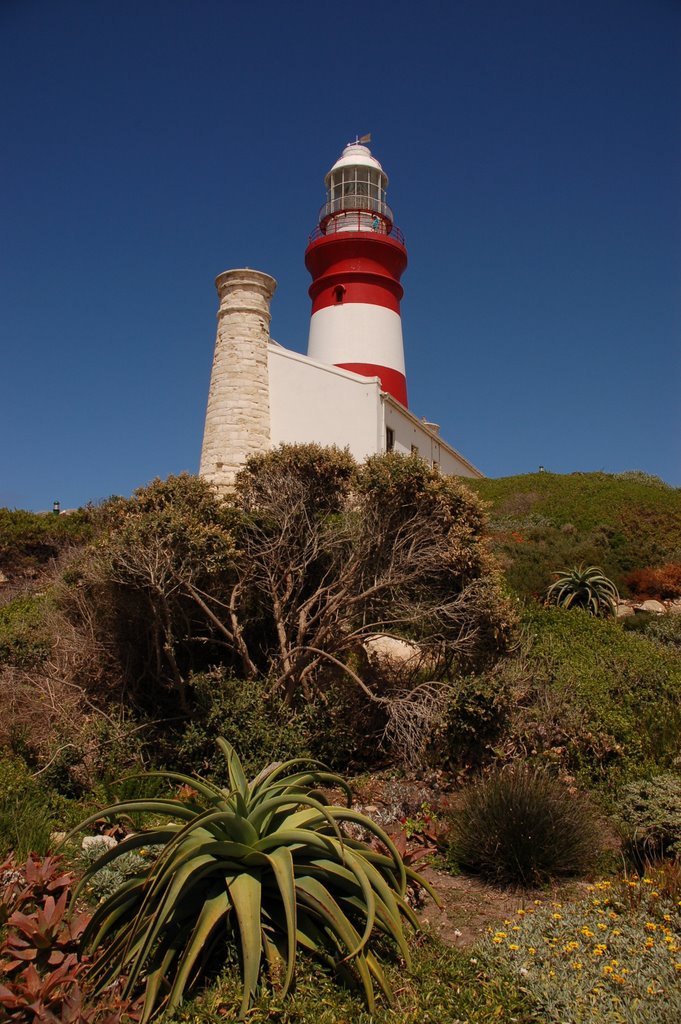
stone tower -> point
(238, 414)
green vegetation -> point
(443, 986)
(521, 826)
(24, 635)
(264, 862)
(619, 521)
(29, 541)
(132, 634)
(649, 813)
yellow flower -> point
(618, 978)
(521, 912)
(650, 943)
(587, 932)
(515, 928)
(678, 967)
(650, 926)
(667, 917)
(556, 917)
(608, 969)
(531, 950)
(513, 946)
(577, 965)
(601, 926)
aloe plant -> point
(265, 863)
(587, 588)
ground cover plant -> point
(265, 862)
(612, 958)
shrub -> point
(243, 713)
(29, 811)
(584, 587)
(661, 584)
(266, 864)
(24, 639)
(602, 702)
(520, 826)
(649, 814)
(665, 629)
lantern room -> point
(355, 194)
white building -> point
(350, 389)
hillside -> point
(541, 522)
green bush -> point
(245, 715)
(521, 826)
(604, 702)
(476, 718)
(649, 813)
(24, 638)
(29, 811)
(29, 541)
(665, 629)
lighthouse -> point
(356, 257)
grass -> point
(445, 986)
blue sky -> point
(533, 150)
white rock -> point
(391, 650)
(624, 610)
(654, 607)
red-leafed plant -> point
(39, 956)
(661, 583)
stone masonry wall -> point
(238, 414)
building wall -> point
(310, 402)
(413, 435)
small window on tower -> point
(339, 292)
(389, 439)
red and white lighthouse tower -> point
(356, 257)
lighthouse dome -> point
(357, 155)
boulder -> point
(652, 607)
(623, 610)
(392, 651)
(674, 608)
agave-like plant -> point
(266, 864)
(587, 588)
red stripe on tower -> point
(356, 257)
